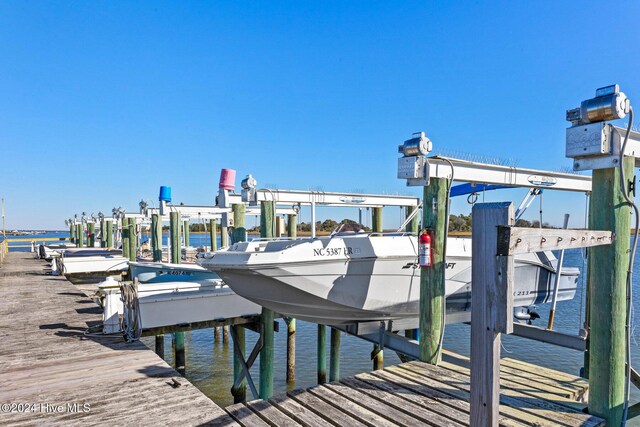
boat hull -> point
(339, 290)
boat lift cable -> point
(444, 251)
(629, 315)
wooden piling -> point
(291, 350)
(334, 357)
(292, 232)
(292, 225)
(432, 291)
(266, 354)
(180, 352)
(156, 237)
(126, 247)
(240, 393)
(91, 231)
(216, 334)
(322, 354)
(103, 243)
(213, 234)
(108, 229)
(412, 226)
(176, 245)
(187, 234)
(80, 235)
(376, 226)
(133, 240)
(488, 312)
(267, 216)
(225, 334)
(72, 233)
(239, 219)
(608, 267)
(224, 235)
(160, 346)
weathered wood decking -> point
(416, 393)
(46, 360)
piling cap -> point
(227, 179)
(165, 194)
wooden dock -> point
(417, 393)
(51, 373)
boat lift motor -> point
(249, 190)
(413, 166)
(593, 143)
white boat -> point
(90, 261)
(158, 272)
(353, 277)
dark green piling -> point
(180, 353)
(432, 296)
(376, 226)
(156, 237)
(108, 229)
(322, 354)
(133, 240)
(126, 246)
(160, 346)
(176, 245)
(267, 216)
(187, 234)
(334, 357)
(607, 266)
(213, 234)
(91, 231)
(240, 393)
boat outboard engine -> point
(524, 314)
(41, 252)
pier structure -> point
(90, 377)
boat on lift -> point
(87, 262)
(160, 272)
(357, 277)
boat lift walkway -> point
(417, 394)
(51, 373)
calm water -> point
(210, 366)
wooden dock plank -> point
(330, 413)
(452, 400)
(353, 409)
(245, 416)
(432, 405)
(298, 412)
(271, 414)
(555, 408)
(374, 405)
(48, 360)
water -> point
(210, 365)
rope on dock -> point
(131, 324)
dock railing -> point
(495, 243)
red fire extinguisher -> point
(424, 249)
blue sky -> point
(103, 102)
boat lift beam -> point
(466, 171)
(321, 198)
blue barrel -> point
(165, 194)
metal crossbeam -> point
(465, 171)
(321, 198)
